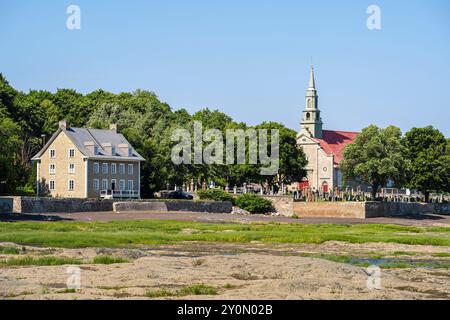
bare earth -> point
(238, 271)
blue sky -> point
(249, 59)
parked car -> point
(179, 195)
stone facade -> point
(178, 205)
(82, 163)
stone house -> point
(88, 163)
(323, 148)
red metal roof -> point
(334, 142)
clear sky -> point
(249, 59)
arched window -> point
(308, 116)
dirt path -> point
(418, 220)
(236, 271)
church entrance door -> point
(325, 187)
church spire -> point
(311, 123)
(312, 82)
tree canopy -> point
(27, 118)
(429, 158)
(376, 157)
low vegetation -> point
(9, 250)
(215, 194)
(104, 259)
(254, 204)
(194, 290)
(39, 261)
(116, 234)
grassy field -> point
(134, 233)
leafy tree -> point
(429, 155)
(376, 157)
(292, 160)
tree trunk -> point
(374, 192)
(427, 196)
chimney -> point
(63, 124)
(113, 127)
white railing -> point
(112, 194)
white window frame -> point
(130, 166)
(71, 170)
(113, 151)
(122, 185)
(113, 168)
(130, 182)
(96, 168)
(105, 165)
(105, 181)
(50, 170)
(69, 187)
(122, 168)
(95, 149)
(52, 153)
(95, 185)
(70, 150)
(50, 187)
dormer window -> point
(95, 150)
(130, 152)
(113, 151)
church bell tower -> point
(311, 123)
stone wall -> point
(363, 210)
(284, 205)
(48, 205)
(330, 209)
(383, 209)
(179, 205)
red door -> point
(325, 187)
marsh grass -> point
(193, 290)
(135, 233)
(9, 250)
(105, 259)
(39, 261)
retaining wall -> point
(180, 205)
(363, 210)
(284, 205)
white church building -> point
(323, 148)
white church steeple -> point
(311, 123)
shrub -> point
(254, 204)
(215, 194)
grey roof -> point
(81, 135)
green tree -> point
(429, 155)
(292, 160)
(376, 157)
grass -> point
(194, 290)
(9, 250)
(103, 259)
(442, 254)
(57, 261)
(404, 253)
(116, 234)
(39, 261)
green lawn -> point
(135, 233)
